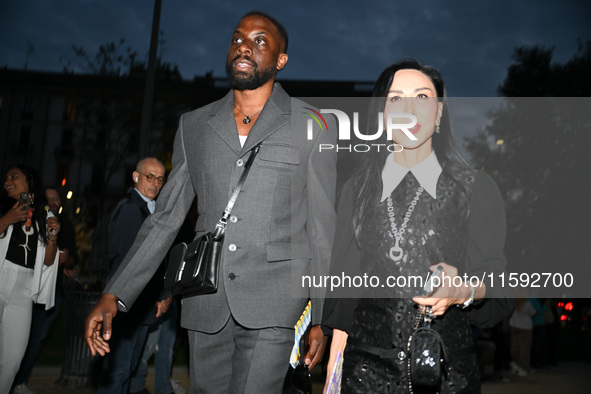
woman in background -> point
(28, 264)
(521, 336)
(402, 214)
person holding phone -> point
(402, 215)
(28, 264)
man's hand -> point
(162, 306)
(317, 342)
(64, 255)
(100, 317)
(71, 272)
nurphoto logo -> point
(394, 121)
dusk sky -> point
(471, 42)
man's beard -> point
(258, 78)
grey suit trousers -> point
(239, 360)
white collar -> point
(427, 173)
(151, 203)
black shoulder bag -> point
(193, 269)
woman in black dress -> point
(401, 215)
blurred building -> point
(82, 131)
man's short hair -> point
(278, 25)
(56, 188)
(140, 164)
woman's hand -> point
(452, 291)
(14, 215)
(53, 227)
(338, 344)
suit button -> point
(239, 163)
(232, 248)
(233, 219)
(232, 276)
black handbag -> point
(193, 269)
(299, 379)
(426, 355)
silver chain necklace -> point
(396, 251)
(246, 120)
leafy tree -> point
(108, 60)
(109, 105)
(542, 164)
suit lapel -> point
(275, 115)
(223, 124)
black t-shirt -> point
(22, 248)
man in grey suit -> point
(281, 228)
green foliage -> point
(534, 75)
(542, 166)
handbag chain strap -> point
(222, 224)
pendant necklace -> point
(246, 119)
(25, 246)
(396, 251)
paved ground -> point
(572, 378)
(568, 377)
(44, 377)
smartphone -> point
(24, 199)
(432, 284)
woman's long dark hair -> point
(367, 180)
(39, 202)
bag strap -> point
(222, 224)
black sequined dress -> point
(440, 230)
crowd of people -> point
(28, 265)
(409, 212)
(39, 254)
(534, 325)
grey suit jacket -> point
(284, 217)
